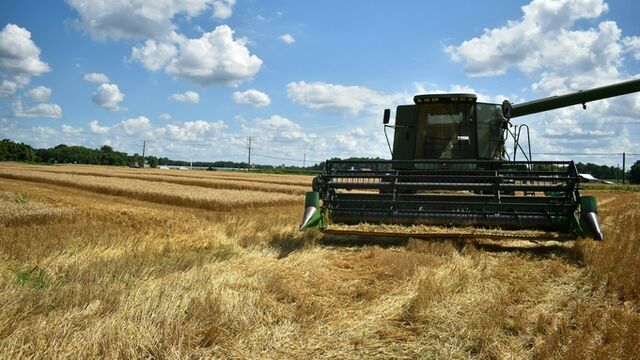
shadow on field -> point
(543, 250)
(287, 243)
(540, 250)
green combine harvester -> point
(451, 167)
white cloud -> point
(108, 96)
(252, 97)
(187, 96)
(97, 129)
(223, 9)
(39, 94)
(70, 130)
(215, 58)
(96, 78)
(542, 38)
(52, 111)
(287, 38)
(7, 88)
(154, 55)
(134, 18)
(19, 55)
(279, 133)
(632, 46)
(341, 99)
(134, 126)
(164, 116)
(195, 130)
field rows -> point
(213, 183)
(159, 192)
(274, 179)
(87, 275)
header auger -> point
(450, 167)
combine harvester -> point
(452, 175)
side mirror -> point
(387, 115)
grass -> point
(115, 276)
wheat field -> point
(100, 262)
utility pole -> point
(304, 160)
(144, 148)
(624, 161)
(249, 140)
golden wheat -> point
(167, 193)
(292, 180)
(214, 183)
(135, 279)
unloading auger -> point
(450, 167)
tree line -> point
(105, 155)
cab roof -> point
(430, 98)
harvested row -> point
(17, 208)
(215, 183)
(299, 180)
(164, 193)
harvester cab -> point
(451, 167)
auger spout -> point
(580, 97)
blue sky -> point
(196, 78)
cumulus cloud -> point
(96, 78)
(97, 129)
(164, 116)
(52, 111)
(19, 55)
(280, 133)
(542, 38)
(215, 58)
(7, 88)
(632, 46)
(287, 38)
(251, 97)
(187, 96)
(134, 19)
(70, 130)
(341, 99)
(19, 59)
(154, 55)
(134, 126)
(194, 130)
(108, 96)
(223, 9)
(39, 94)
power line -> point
(579, 154)
(286, 158)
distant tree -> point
(13, 151)
(600, 171)
(152, 161)
(634, 173)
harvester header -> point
(451, 167)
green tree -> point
(634, 173)
(13, 151)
